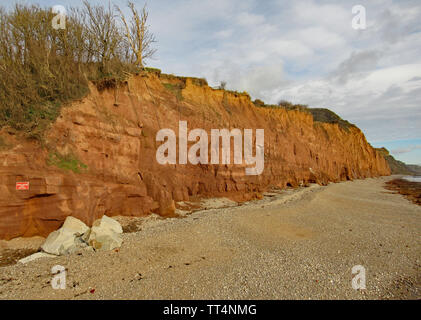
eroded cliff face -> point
(113, 133)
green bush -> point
(328, 116)
(153, 70)
(200, 82)
(66, 162)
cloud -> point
(256, 80)
(358, 62)
(397, 21)
(305, 51)
(223, 34)
(249, 19)
(381, 102)
(406, 150)
(415, 79)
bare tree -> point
(41, 67)
(104, 33)
(138, 35)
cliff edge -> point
(98, 157)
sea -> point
(413, 178)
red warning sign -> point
(22, 185)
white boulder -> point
(108, 223)
(105, 234)
(75, 225)
(67, 239)
(36, 256)
(74, 235)
(60, 242)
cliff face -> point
(108, 138)
(396, 166)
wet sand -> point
(293, 244)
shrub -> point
(175, 89)
(199, 82)
(327, 116)
(154, 71)
(42, 68)
(259, 103)
(66, 162)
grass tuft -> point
(175, 89)
(66, 162)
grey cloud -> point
(304, 51)
(256, 80)
(414, 79)
(406, 150)
(383, 112)
(392, 26)
(357, 62)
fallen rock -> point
(105, 234)
(105, 241)
(75, 236)
(68, 239)
(60, 242)
(108, 223)
(36, 256)
(75, 225)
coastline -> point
(297, 244)
(409, 188)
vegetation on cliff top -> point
(328, 116)
(319, 114)
(42, 66)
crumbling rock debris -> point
(75, 235)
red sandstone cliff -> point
(113, 133)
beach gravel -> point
(293, 244)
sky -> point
(303, 51)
